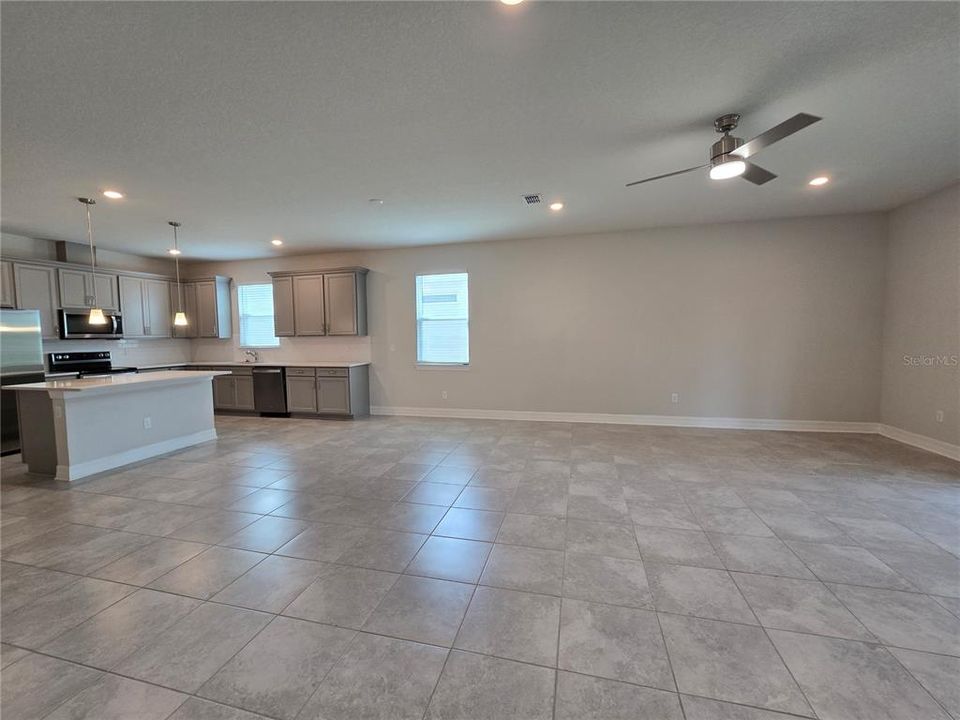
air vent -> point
(532, 199)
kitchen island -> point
(73, 428)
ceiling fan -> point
(728, 156)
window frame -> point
(240, 316)
(430, 365)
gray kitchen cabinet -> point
(187, 299)
(333, 395)
(157, 312)
(36, 289)
(213, 307)
(244, 392)
(308, 316)
(233, 391)
(320, 302)
(283, 323)
(301, 392)
(131, 305)
(7, 298)
(224, 392)
(80, 289)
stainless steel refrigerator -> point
(21, 361)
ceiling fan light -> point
(96, 317)
(726, 169)
(180, 319)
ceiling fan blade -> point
(660, 177)
(756, 174)
(775, 134)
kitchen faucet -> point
(252, 356)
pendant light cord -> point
(176, 259)
(93, 263)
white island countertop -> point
(118, 382)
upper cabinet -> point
(81, 289)
(206, 303)
(320, 302)
(36, 289)
(7, 298)
(145, 305)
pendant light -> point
(96, 316)
(180, 318)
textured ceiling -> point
(253, 120)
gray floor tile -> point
(667, 515)
(188, 653)
(22, 584)
(422, 609)
(768, 556)
(117, 698)
(597, 508)
(937, 673)
(322, 541)
(345, 596)
(109, 636)
(511, 624)
(682, 547)
(732, 521)
(197, 709)
(10, 654)
(904, 619)
(541, 531)
(148, 563)
(601, 538)
(214, 528)
(523, 568)
(35, 624)
(272, 584)
(452, 475)
(280, 669)
(589, 698)
(846, 564)
(697, 591)
(613, 642)
(262, 501)
(450, 559)
(487, 688)
(208, 573)
(605, 579)
(799, 605)
(539, 500)
(730, 662)
(412, 517)
(266, 534)
(76, 548)
(803, 527)
(697, 708)
(431, 493)
(383, 550)
(481, 498)
(849, 680)
(930, 570)
(35, 685)
(470, 524)
(378, 677)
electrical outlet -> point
(939, 416)
(443, 394)
(675, 398)
(147, 423)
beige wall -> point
(921, 331)
(778, 319)
(25, 248)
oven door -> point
(76, 326)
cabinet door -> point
(283, 325)
(107, 294)
(244, 384)
(302, 394)
(36, 289)
(74, 289)
(7, 298)
(207, 325)
(156, 294)
(340, 300)
(131, 306)
(308, 304)
(225, 392)
(178, 300)
(333, 395)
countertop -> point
(217, 363)
(119, 382)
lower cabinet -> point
(302, 393)
(234, 391)
(329, 391)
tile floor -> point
(410, 568)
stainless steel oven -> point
(75, 325)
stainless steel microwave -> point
(75, 325)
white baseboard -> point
(92, 467)
(920, 441)
(826, 426)
(619, 419)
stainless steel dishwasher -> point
(270, 390)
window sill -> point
(442, 366)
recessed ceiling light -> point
(173, 251)
(113, 194)
(375, 201)
(276, 241)
(511, 2)
(556, 206)
(817, 181)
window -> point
(256, 316)
(443, 319)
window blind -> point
(443, 319)
(256, 315)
